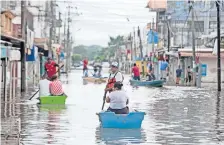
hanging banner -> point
(203, 70)
(4, 52)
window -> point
(10, 24)
(6, 23)
(2, 21)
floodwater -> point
(174, 116)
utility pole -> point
(59, 41)
(59, 30)
(218, 45)
(135, 44)
(50, 53)
(193, 41)
(168, 42)
(153, 43)
(23, 47)
(131, 46)
(141, 47)
(68, 53)
(65, 32)
(140, 42)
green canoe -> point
(52, 99)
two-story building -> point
(6, 22)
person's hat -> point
(114, 64)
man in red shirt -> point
(85, 68)
(50, 67)
(136, 72)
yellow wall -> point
(139, 64)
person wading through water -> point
(85, 67)
(115, 76)
(136, 72)
(50, 67)
(118, 100)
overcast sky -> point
(103, 18)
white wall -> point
(212, 69)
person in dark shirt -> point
(189, 75)
(151, 76)
(178, 75)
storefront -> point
(10, 59)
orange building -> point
(6, 22)
(157, 5)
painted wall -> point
(212, 69)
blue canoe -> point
(124, 121)
(155, 83)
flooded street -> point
(174, 115)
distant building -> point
(205, 19)
(6, 22)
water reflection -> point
(51, 108)
(217, 121)
(120, 136)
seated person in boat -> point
(44, 86)
(55, 87)
(95, 71)
(151, 76)
(99, 71)
(118, 100)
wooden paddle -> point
(104, 99)
(43, 75)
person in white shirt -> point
(115, 76)
(44, 87)
(118, 100)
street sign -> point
(203, 70)
(4, 52)
(152, 37)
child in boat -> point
(55, 87)
(118, 100)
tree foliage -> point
(87, 51)
(76, 57)
(114, 44)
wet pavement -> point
(174, 115)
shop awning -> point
(209, 55)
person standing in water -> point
(118, 100)
(85, 67)
(136, 72)
(189, 75)
(178, 75)
(163, 67)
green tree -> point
(114, 44)
(76, 58)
